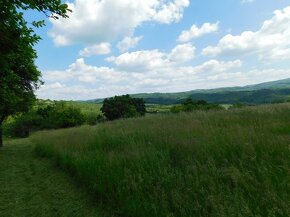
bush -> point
(123, 107)
(237, 106)
(190, 105)
(61, 116)
(23, 125)
(54, 116)
(176, 109)
(93, 119)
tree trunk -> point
(1, 136)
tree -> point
(19, 75)
(123, 107)
(190, 105)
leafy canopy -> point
(189, 105)
(123, 107)
(19, 75)
(54, 116)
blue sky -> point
(114, 47)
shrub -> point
(23, 125)
(237, 106)
(189, 105)
(123, 107)
(61, 116)
(54, 116)
(176, 109)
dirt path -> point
(31, 186)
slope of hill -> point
(215, 163)
(269, 92)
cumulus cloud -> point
(195, 31)
(170, 12)
(95, 21)
(140, 61)
(83, 81)
(96, 49)
(271, 42)
(182, 53)
(148, 60)
(128, 43)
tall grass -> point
(217, 163)
(91, 111)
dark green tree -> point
(19, 77)
(123, 107)
(190, 105)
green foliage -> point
(91, 111)
(54, 116)
(19, 75)
(123, 107)
(189, 105)
(176, 109)
(237, 106)
(215, 163)
(60, 116)
(23, 125)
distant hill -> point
(269, 92)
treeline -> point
(254, 97)
(190, 105)
(48, 115)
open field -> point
(31, 186)
(218, 163)
(86, 108)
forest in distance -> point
(269, 92)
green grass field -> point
(217, 163)
(31, 186)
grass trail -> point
(32, 186)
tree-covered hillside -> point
(270, 92)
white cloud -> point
(87, 73)
(96, 49)
(82, 81)
(195, 32)
(170, 12)
(140, 60)
(216, 67)
(182, 53)
(148, 60)
(241, 78)
(271, 42)
(128, 43)
(95, 21)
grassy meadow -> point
(88, 109)
(31, 186)
(216, 163)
